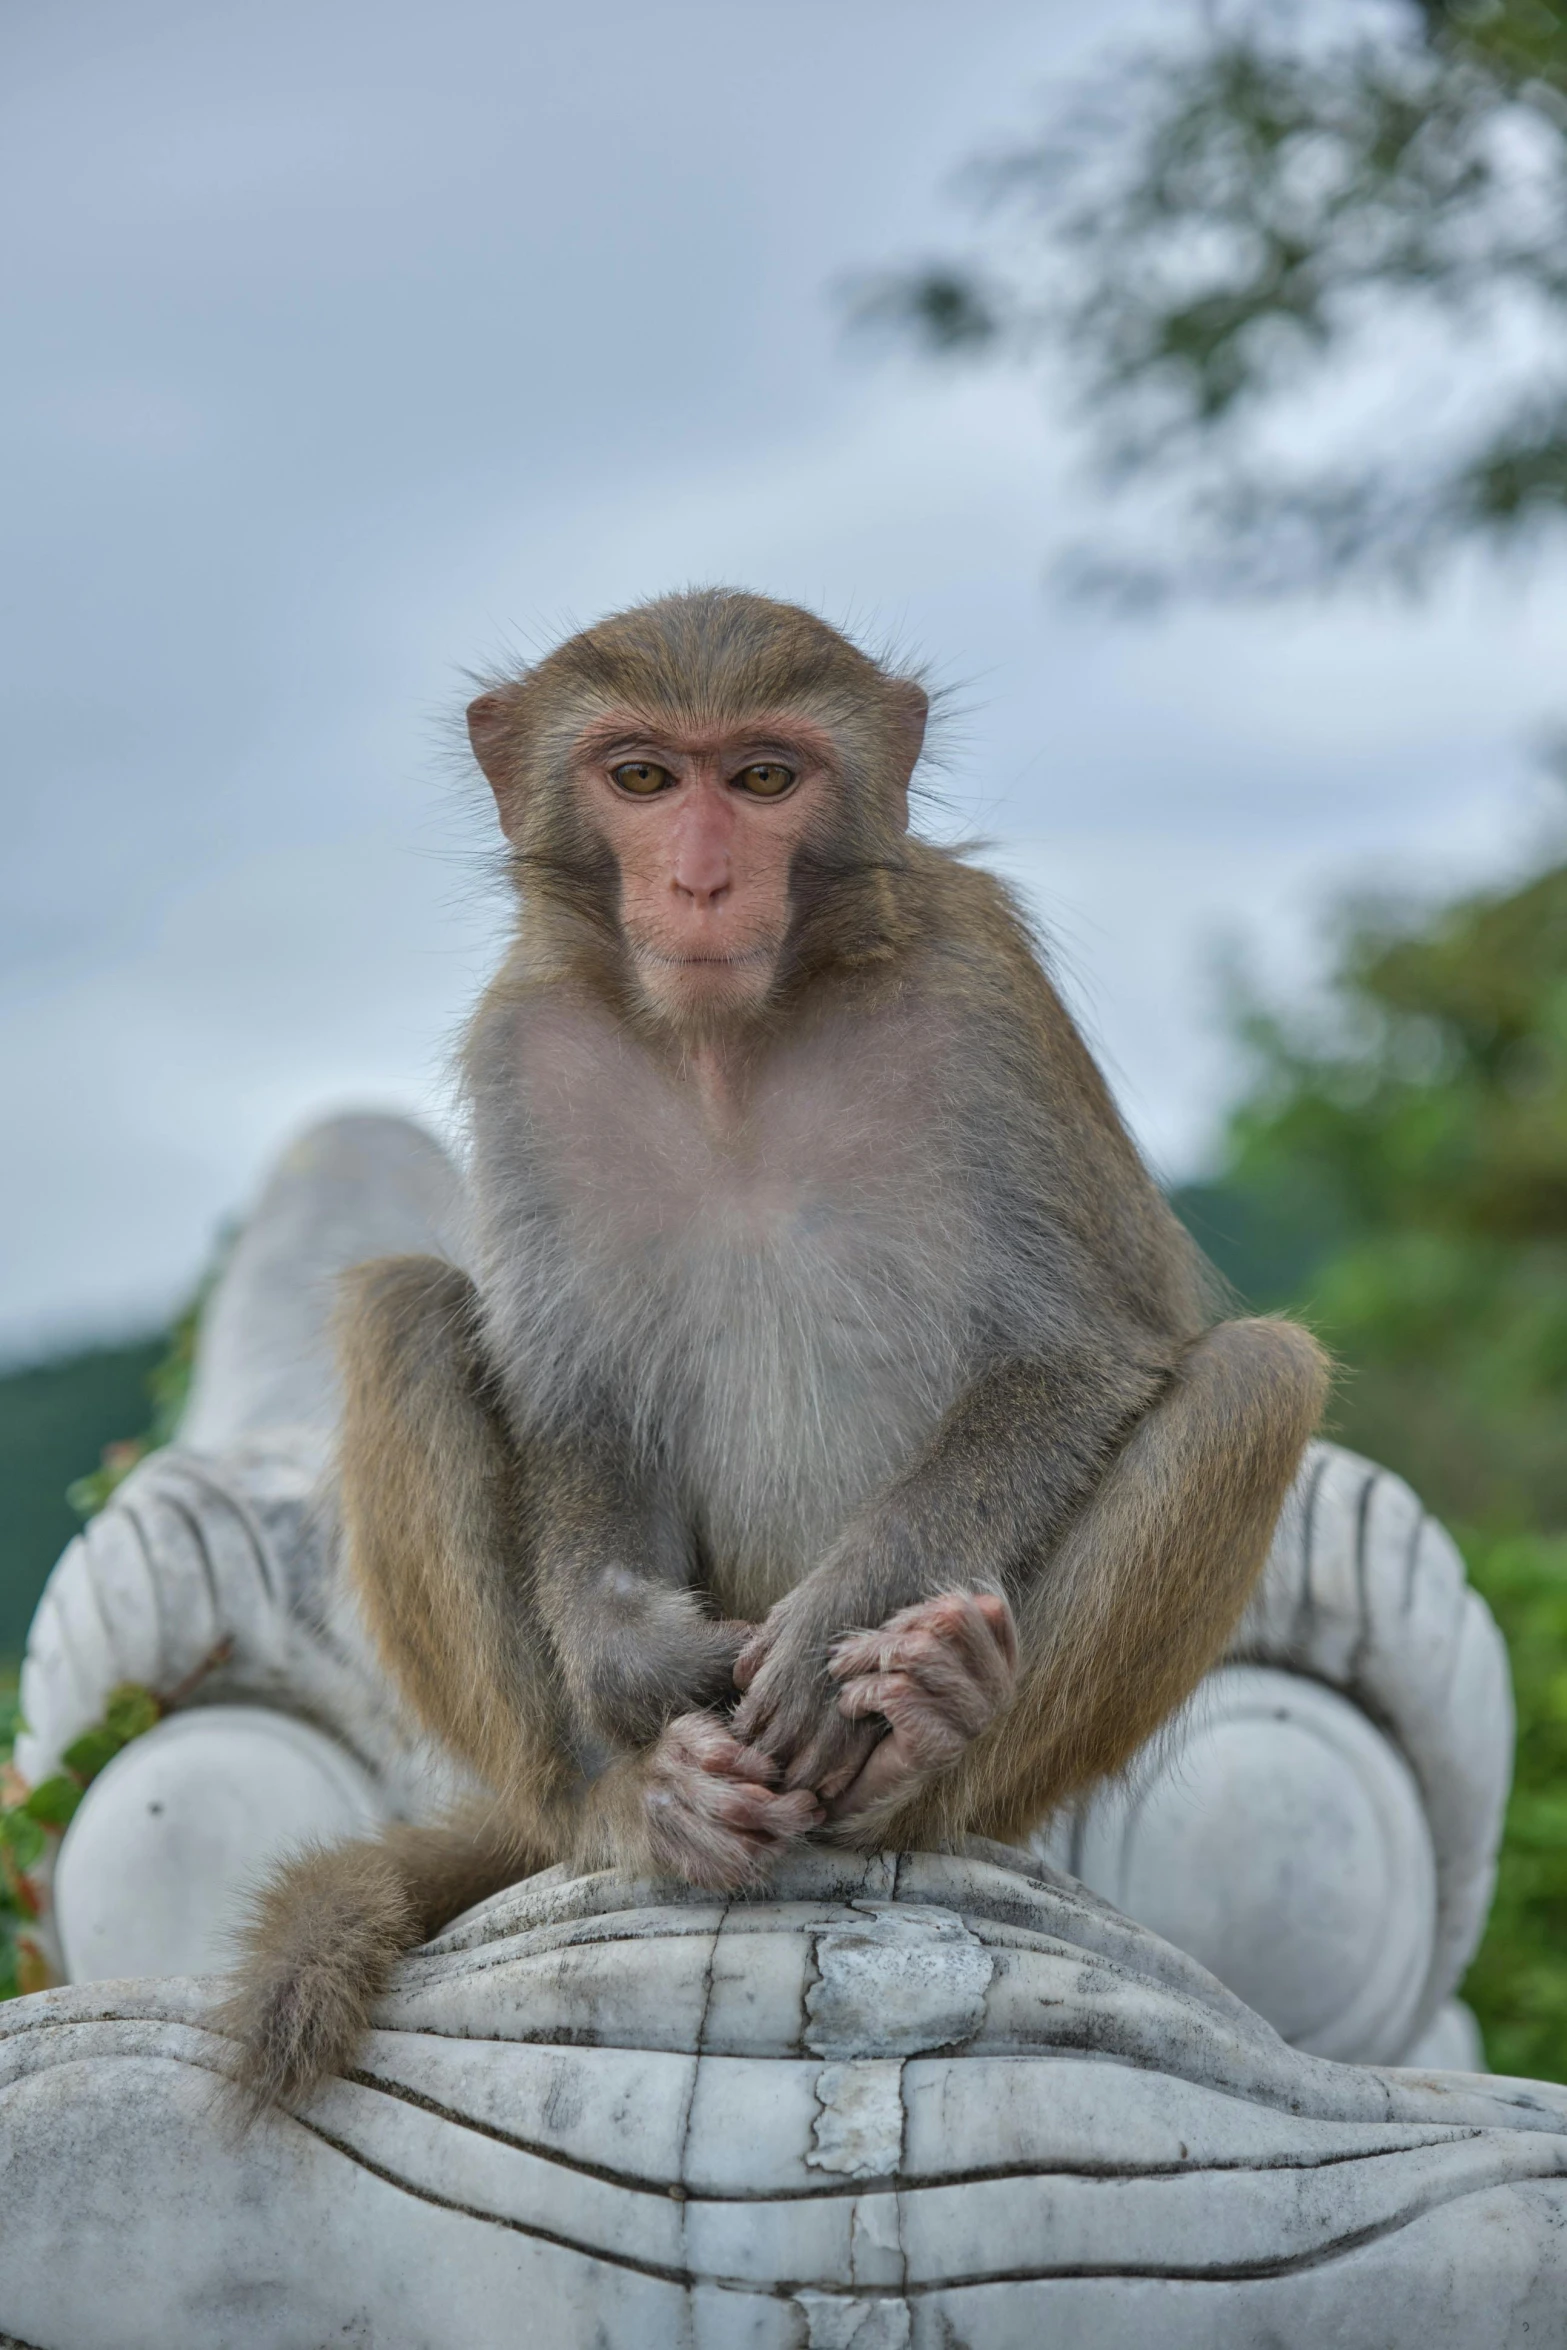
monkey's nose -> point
(702, 868)
(704, 888)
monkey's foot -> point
(715, 1813)
(937, 1674)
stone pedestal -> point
(927, 2101)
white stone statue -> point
(933, 2101)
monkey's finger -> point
(958, 1636)
(929, 1730)
(870, 1693)
(929, 1735)
(968, 1676)
(832, 1755)
(990, 1631)
(832, 1777)
(931, 1669)
(887, 1773)
(761, 1646)
(776, 1715)
(757, 1811)
(752, 1656)
(701, 1742)
(997, 1613)
(755, 1711)
(727, 1639)
(944, 1618)
(749, 1763)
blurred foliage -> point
(1397, 1172)
(1518, 1983)
(80, 1407)
(1228, 240)
(1412, 1145)
(51, 1409)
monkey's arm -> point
(1123, 1603)
(534, 1603)
(430, 1495)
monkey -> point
(834, 1433)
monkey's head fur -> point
(706, 801)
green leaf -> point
(53, 1801)
(85, 1757)
(130, 1710)
(24, 1838)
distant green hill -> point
(55, 1419)
(1266, 1249)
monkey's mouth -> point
(739, 959)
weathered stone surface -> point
(1338, 1939)
(933, 2101)
(187, 1815)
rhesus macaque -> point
(834, 1437)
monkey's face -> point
(704, 827)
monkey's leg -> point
(435, 1514)
(533, 1600)
(1121, 1619)
(326, 1930)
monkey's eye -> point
(766, 781)
(641, 778)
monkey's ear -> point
(489, 731)
(908, 709)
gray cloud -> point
(347, 347)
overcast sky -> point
(349, 347)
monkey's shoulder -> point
(985, 961)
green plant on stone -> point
(30, 1816)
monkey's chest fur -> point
(773, 1306)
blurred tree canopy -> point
(1398, 1165)
(1396, 1171)
(1307, 275)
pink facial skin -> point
(704, 827)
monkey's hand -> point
(937, 1675)
(712, 1806)
(883, 1710)
(789, 1708)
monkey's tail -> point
(324, 1933)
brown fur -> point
(863, 1301)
